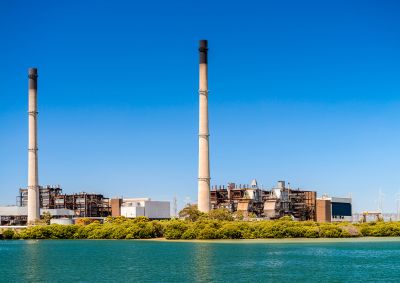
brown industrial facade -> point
(324, 210)
(115, 207)
(272, 204)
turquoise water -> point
(160, 261)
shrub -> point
(230, 231)
(218, 226)
(83, 221)
(46, 217)
(190, 213)
(221, 214)
(330, 231)
(174, 229)
(208, 233)
(8, 234)
(141, 219)
(189, 234)
(238, 215)
(380, 229)
(350, 231)
(286, 218)
(311, 232)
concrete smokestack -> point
(33, 178)
(204, 156)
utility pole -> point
(175, 206)
(380, 200)
(398, 206)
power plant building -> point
(82, 204)
(134, 207)
(324, 210)
(47, 196)
(65, 208)
(334, 209)
(272, 204)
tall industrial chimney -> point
(204, 158)
(33, 178)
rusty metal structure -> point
(83, 204)
(272, 204)
(47, 196)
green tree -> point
(46, 217)
(238, 215)
(8, 234)
(221, 214)
(191, 213)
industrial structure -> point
(66, 208)
(13, 215)
(33, 175)
(324, 210)
(83, 204)
(47, 196)
(204, 155)
(134, 207)
(17, 215)
(334, 209)
(281, 201)
(272, 204)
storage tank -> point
(281, 184)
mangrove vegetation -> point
(218, 224)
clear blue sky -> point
(305, 91)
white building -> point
(134, 207)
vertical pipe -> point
(33, 178)
(204, 158)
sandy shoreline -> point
(283, 241)
(244, 241)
